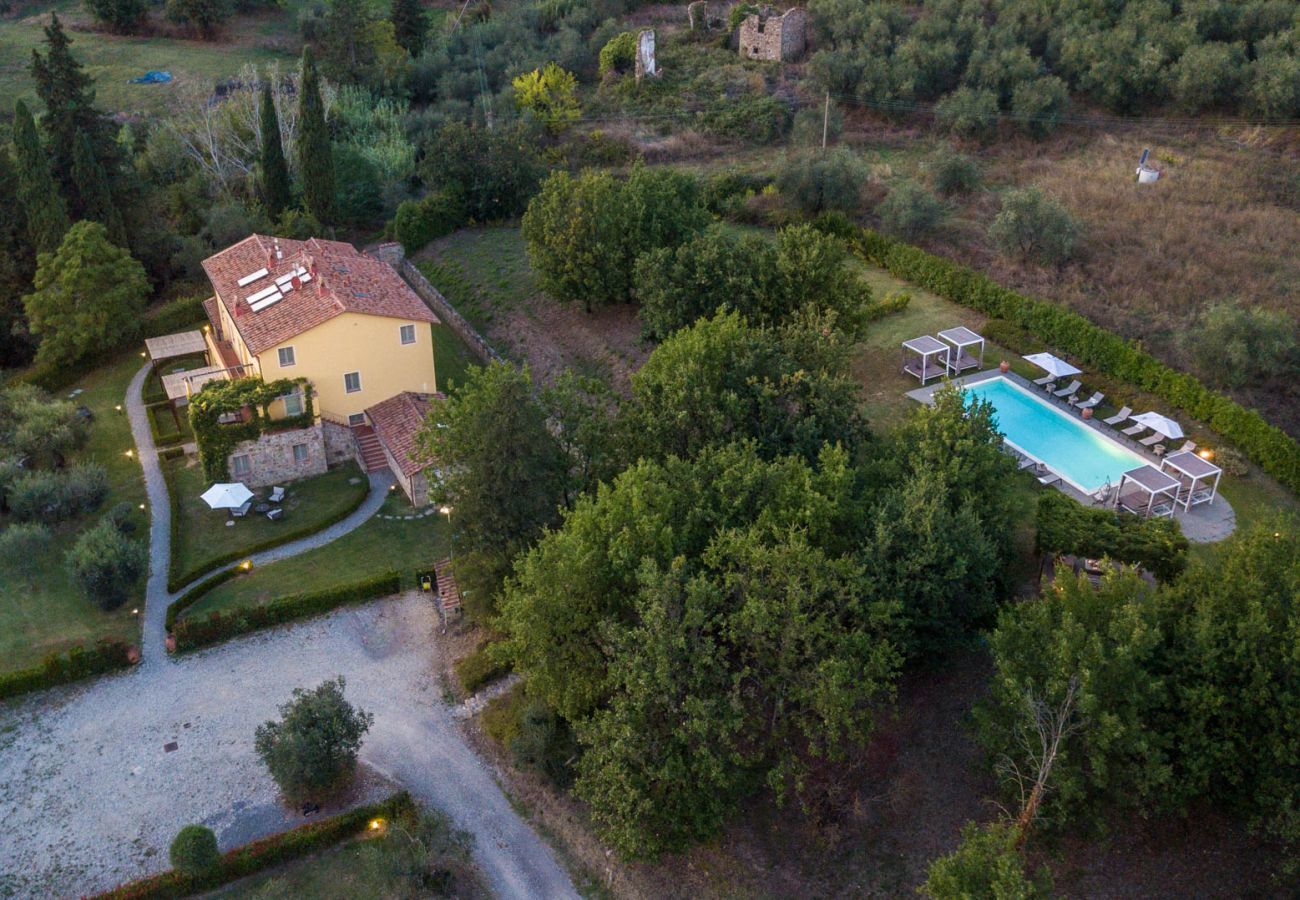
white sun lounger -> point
(1045, 380)
(1120, 416)
(1091, 401)
(1154, 438)
(1070, 390)
(1134, 429)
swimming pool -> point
(1083, 458)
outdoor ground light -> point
(118, 407)
(130, 453)
(1206, 453)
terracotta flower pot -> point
(1087, 413)
(133, 655)
(171, 643)
(1004, 367)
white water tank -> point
(1147, 175)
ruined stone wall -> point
(775, 38)
(271, 459)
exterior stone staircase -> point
(370, 453)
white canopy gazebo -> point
(960, 338)
(1193, 473)
(1147, 491)
(925, 347)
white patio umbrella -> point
(1160, 424)
(1053, 365)
(226, 496)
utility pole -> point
(826, 118)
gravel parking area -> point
(91, 796)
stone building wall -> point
(271, 458)
(772, 37)
(339, 445)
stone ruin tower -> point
(765, 35)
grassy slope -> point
(112, 60)
(203, 533)
(378, 546)
(50, 614)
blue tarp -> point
(153, 78)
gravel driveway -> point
(90, 797)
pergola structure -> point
(960, 338)
(917, 354)
(1147, 491)
(170, 346)
(180, 386)
(1193, 474)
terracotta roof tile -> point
(340, 279)
(397, 421)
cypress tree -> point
(315, 156)
(92, 187)
(47, 217)
(275, 173)
(69, 108)
(17, 264)
(410, 25)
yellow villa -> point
(341, 319)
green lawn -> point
(112, 60)
(378, 546)
(201, 536)
(49, 614)
(480, 270)
(451, 358)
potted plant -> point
(1087, 413)
(1004, 367)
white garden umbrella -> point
(1160, 424)
(227, 496)
(1053, 365)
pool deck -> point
(1203, 524)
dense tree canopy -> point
(584, 234)
(37, 192)
(493, 172)
(767, 282)
(311, 750)
(314, 149)
(88, 295)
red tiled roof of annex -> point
(397, 421)
(338, 279)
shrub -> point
(58, 496)
(1235, 345)
(1065, 526)
(480, 668)
(969, 113)
(23, 544)
(888, 305)
(986, 863)
(754, 120)
(619, 54)
(312, 749)
(1034, 227)
(544, 742)
(816, 182)
(194, 850)
(105, 564)
(910, 210)
(121, 516)
(1039, 104)
(60, 668)
(218, 626)
(1231, 462)
(550, 94)
(953, 173)
(418, 222)
(813, 122)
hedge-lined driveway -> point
(91, 797)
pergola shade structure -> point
(1198, 478)
(925, 357)
(170, 346)
(180, 386)
(1147, 491)
(960, 338)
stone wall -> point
(433, 298)
(339, 445)
(271, 459)
(772, 37)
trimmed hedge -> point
(1270, 447)
(271, 851)
(196, 593)
(191, 634)
(61, 668)
(159, 419)
(177, 580)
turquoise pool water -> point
(1076, 452)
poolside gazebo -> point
(1194, 475)
(960, 338)
(1147, 491)
(917, 354)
